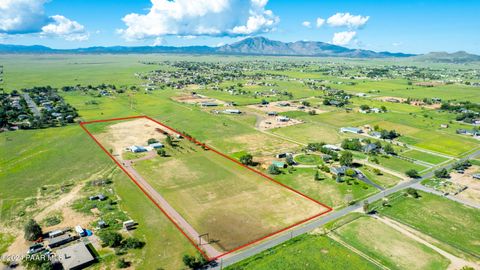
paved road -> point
(187, 228)
(31, 104)
(281, 238)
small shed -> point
(129, 224)
(279, 164)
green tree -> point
(169, 140)
(272, 169)
(412, 173)
(152, 140)
(246, 159)
(364, 107)
(442, 173)
(389, 149)
(161, 152)
(346, 158)
(111, 238)
(132, 243)
(32, 231)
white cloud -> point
(66, 28)
(22, 16)
(320, 22)
(28, 17)
(200, 18)
(158, 41)
(347, 19)
(343, 38)
(397, 44)
(307, 24)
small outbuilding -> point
(129, 225)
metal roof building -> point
(75, 256)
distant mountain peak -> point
(249, 46)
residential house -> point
(351, 130)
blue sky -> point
(406, 26)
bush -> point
(194, 262)
(122, 263)
(272, 169)
(413, 192)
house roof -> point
(74, 256)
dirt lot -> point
(277, 107)
(472, 193)
(270, 122)
(197, 99)
(128, 133)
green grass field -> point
(383, 179)
(389, 246)
(328, 190)
(306, 252)
(443, 219)
(433, 159)
(399, 165)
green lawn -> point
(383, 179)
(422, 156)
(306, 252)
(389, 246)
(308, 159)
(441, 218)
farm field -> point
(447, 221)
(306, 252)
(219, 184)
(389, 246)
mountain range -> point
(248, 46)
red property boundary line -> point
(329, 209)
